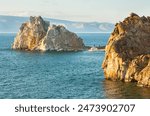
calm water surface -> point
(59, 75)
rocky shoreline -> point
(127, 56)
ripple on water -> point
(59, 75)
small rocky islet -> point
(127, 53)
(39, 35)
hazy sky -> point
(77, 10)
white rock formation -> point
(39, 35)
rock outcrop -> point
(37, 34)
(127, 56)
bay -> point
(60, 75)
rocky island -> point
(37, 34)
(127, 56)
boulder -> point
(37, 34)
(127, 55)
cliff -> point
(127, 56)
(37, 34)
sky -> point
(76, 10)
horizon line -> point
(71, 31)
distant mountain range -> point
(13, 23)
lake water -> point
(73, 75)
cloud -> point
(15, 13)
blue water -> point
(97, 39)
(59, 75)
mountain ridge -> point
(13, 23)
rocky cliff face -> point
(37, 34)
(127, 56)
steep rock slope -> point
(127, 56)
(37, 34)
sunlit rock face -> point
(37, 34)
(127, 56)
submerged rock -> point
(99, 48)
(37, 34)
(93, 49)
(127, 56)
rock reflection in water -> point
(121, 90)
